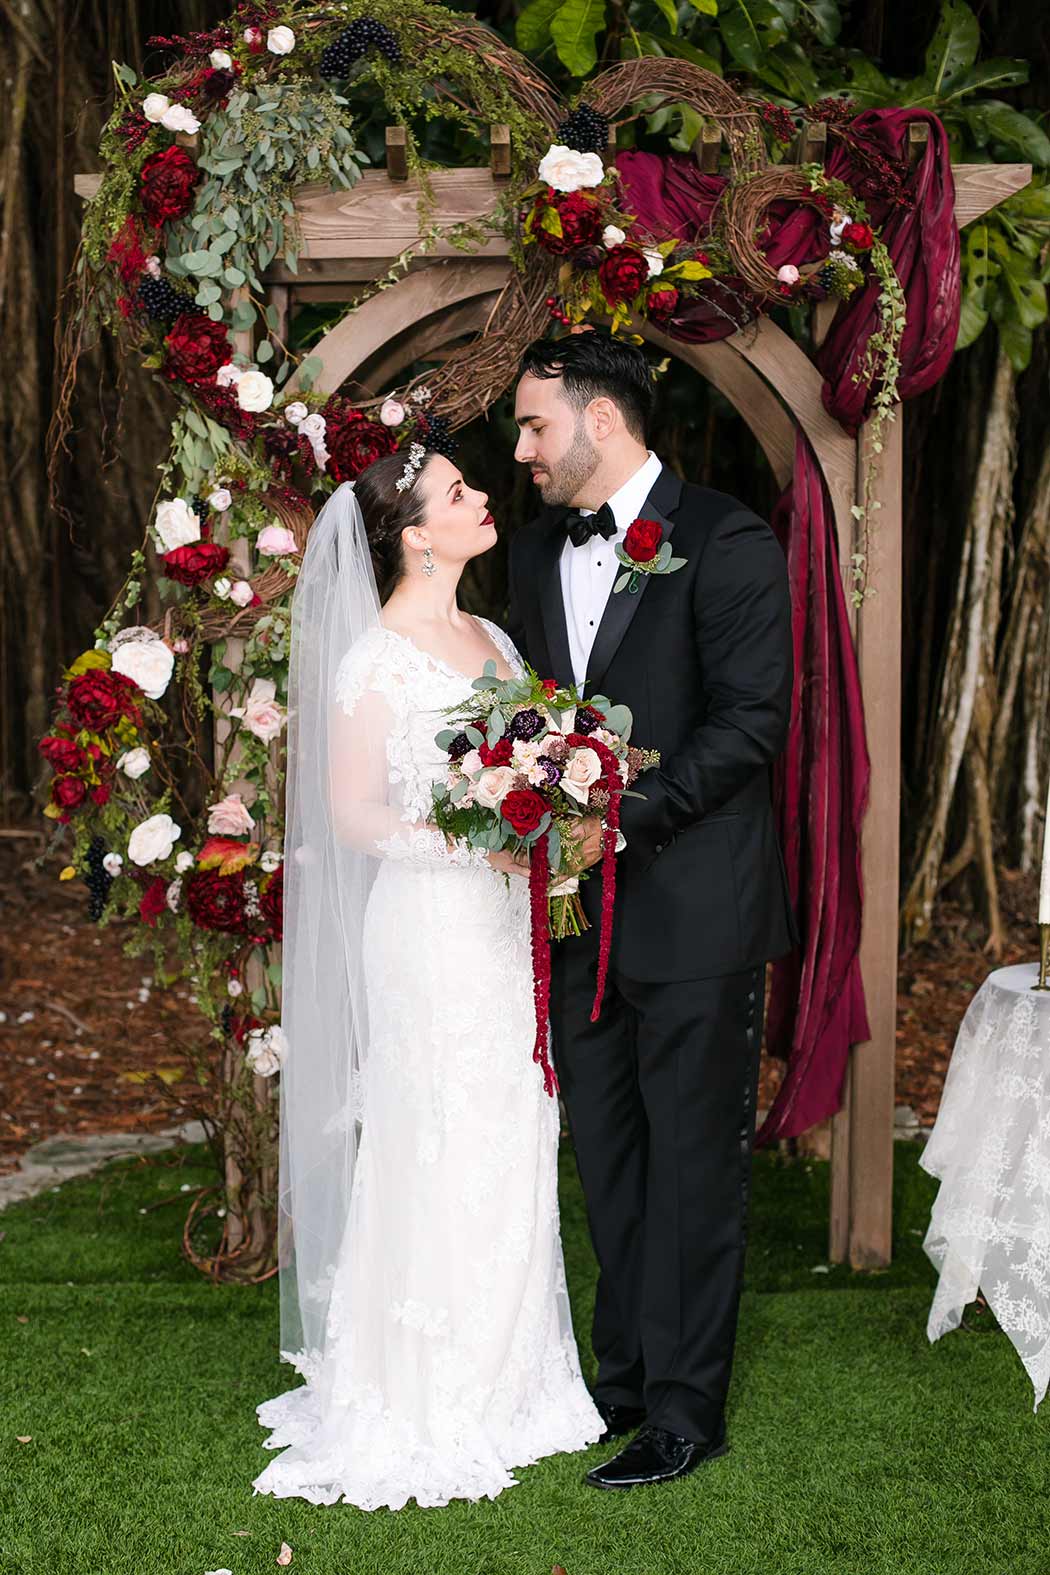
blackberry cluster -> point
(585, 130)
(98, 880)
(199, 506)
(437, 437)
(354, 42)
(161, 301)
(226, 1018)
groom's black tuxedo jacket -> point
(703, 658)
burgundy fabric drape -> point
(817, 1009)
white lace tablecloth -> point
(990, 1147)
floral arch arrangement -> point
(196, 201)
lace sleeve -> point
(369, 695)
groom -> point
(660, 1091)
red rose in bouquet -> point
(860, 236)
(101, 794)
(642, 541)
(581, 223)
(271, 901)
(68, 792)
(661, 304)
(196, 562)
(216, 902)
(153, 901)
(62, 754)
(523, 809)
(498, 754)
(196, 347)
(622, 274)
(99, 698)
(167, 183)
(353, 442)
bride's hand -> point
(509, 863)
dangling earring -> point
(429, 566)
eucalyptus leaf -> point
(474, 735)
(444, 738)
(264, 352)
(497, 727)
(215, 311)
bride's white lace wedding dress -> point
(450, 1357)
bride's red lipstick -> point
(488, 520)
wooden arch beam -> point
(417, 340)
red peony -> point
(498, 755)
(197, 348)
(271, 901)
(524, 810)
(623, 274)
(196, 562)
(100, 795)
(643, 539)
(661, 303)
(153, 901)
(61, 753)
(99, 698)
(354, 443)
(216, 902)
(167, 183)
(581, 223)
(860, 236)
(68, 792)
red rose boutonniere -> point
(644, 551)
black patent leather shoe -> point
(618, 1419)
(655, 1455)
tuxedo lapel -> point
(620, 608)
(552, 604)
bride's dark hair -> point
(387, 512)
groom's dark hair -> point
(594, 365)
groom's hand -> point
(587, 834)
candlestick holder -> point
(1044, 958)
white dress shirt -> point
(588, 572)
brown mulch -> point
(97, 1024)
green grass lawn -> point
(856, 1446)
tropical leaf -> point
(978, 270)
(994, 121)
(574, 30)
(953, 48)
(989, 74)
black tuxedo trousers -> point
(660, 1092)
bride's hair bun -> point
(388, 511)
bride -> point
(423, 1295)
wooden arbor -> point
(350, 238)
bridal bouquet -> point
(525, 760)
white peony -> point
(178, 118)
(176, 524)
(134, 763)
(295, 412)
(254, 391)
(566, 170)
(221, 60)
(612, 235)
(222, 587)
(280, 40)
(241, 593)
(656, 263)
(228, 374)
(113, 863)
(153, 839)
(185, 861)
(155, 106)
(267, 1050)
(220, 499)
(270, 861)
(148, 663)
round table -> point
(990, 1147)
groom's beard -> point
(573, 471)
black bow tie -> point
(581, 527)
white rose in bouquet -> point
(567, 170)
(155, 106)
(178, 118)
(230, 817)
(184, 862)
(241, 593)
(254, 391)
(228, 374)
(134, 763)
(280, 40)
(493, 786)
(113, 863)
(612, 235)
(580, 774)
(656, 263)
(148, 663)
(153, 839)
(295, 412)
(220, 499)
(471, 763)
(275, 541)
(176, 524)
(220, 60)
